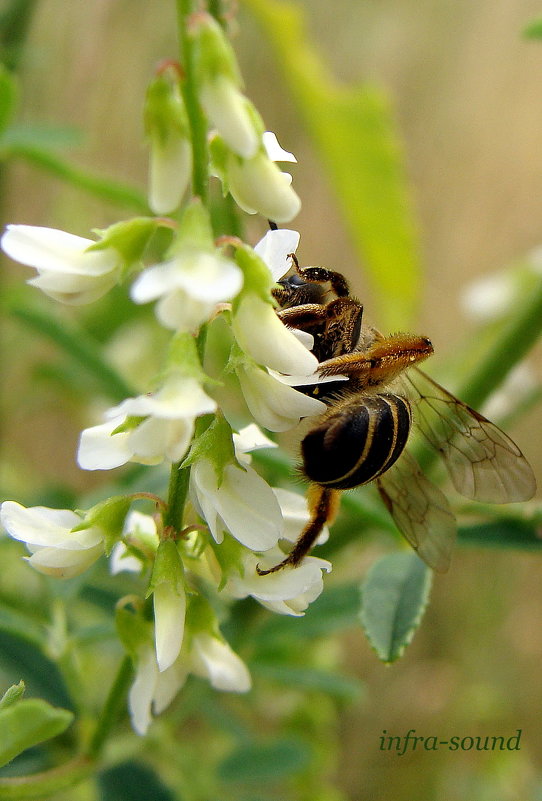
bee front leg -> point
(323, 505)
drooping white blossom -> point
(169, 613)
(67, 270)
(170, 165)
(139, 531)
(164, 432)
(229, 111)
(291, 590)
(242, 504)
(273, 404)
(56, 549)
(288, 591)
(261, 334)
(258, 186)
(207, 656)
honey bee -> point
(378, 397)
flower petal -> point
(142, 690)
(57, 251)
(213, 658)
(228, 110)
(275, 248)
(100, 449)
(169, 614)
(261, 334)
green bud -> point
(168, 568)
(129, 238)
(109, 517)
(214, 55)
(214, 444)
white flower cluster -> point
(233, 519)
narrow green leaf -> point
(533, 30)
(103, 188)
(503, 532)
(27, 723)
(8, 97)
(264, 762)
(355, 133)
(394, 596)
(74, 341)
(306, 679)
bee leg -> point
(324, 504)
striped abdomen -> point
(358, 441)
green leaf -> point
(505, 532)
(27, 723)
(74, 341)
(307, 679)
(256, 762)
(335, 610)
(98, 186)
(394, 596)
(533, 30)
(132, 781)
(355, 133)
(8, 97)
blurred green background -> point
(465, 92)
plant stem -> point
(178, 490)
(196, 118)
(113, 704)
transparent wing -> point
(483, 462)
(420, 511)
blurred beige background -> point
(467, 96)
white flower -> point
(229, 111)
(170, 165)
(169, 613)
(188, 287)
(261, 334)
(258, 185)
(210, 657)
(143, 689)
(243, 504)
(250, 438)
(274, 249)
(273, 404)
(288, 591)
(164, 433)
(295, 513)
(139, 530)
(56, 549)
(67, 270)
(274, 151)
(207, 656)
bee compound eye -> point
(357, 442)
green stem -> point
(178, 490)
(196, 118)
(114, 702)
